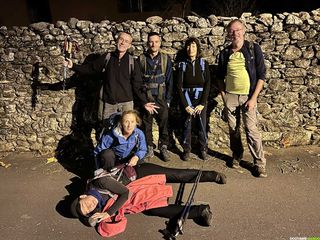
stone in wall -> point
(36, 120)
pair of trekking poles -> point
(178, 229)
(179, 225)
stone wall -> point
(36, 120)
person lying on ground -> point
(99, 207)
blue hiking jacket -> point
(122, 147)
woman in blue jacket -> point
(124, 144)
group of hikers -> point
(125, 183)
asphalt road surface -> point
(285, 205)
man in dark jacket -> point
(156, 67)
(241, 76)
(121, 78)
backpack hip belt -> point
(195, 92)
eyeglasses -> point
(232, 31)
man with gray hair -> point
(121, 79)
(241, 76)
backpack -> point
(110, 123)
(164, 62)
(131, 63)
(183, 67)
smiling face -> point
(236, 32)
(154, 43)
(192, 50)
(129, 123)
(124, 42)
(87, 204)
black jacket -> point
(119, 85)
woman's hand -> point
(198, 109)
(100, 216)
(189, 110)
(133, 161)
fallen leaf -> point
(51, 160)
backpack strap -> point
(131, 64)
(164, 62)
(203, 68)
(251, 50)
(100, 173)
(143, 63)
(106, 61)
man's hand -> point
(100, 216)
(68, 63)
(198, 109)
(151, 107)
(189, 110)
(251, 104)
(133, 161)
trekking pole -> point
(186, 210)
(203, 129)
(69, 47)
(180, 194)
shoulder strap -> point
(251, 49)
(106, 61)
(203, 65)
(131, 64)
(143, 63)
(183, 66)
(164, 62)
(203, 68)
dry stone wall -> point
(36, 120)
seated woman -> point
(124, 144)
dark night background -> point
(25, 12)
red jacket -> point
(145, 193)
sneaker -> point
(261, 172)
(235, 164)
(206, 216)
(150, 153)
(186, 156)
(164, 153)
(204, 155)
(221, 178)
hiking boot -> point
(204, 156)
(186, 156)
(150, 153)
(206, 216)
(164, 153)
(221, 178)
(261, 172)
(235, 164)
